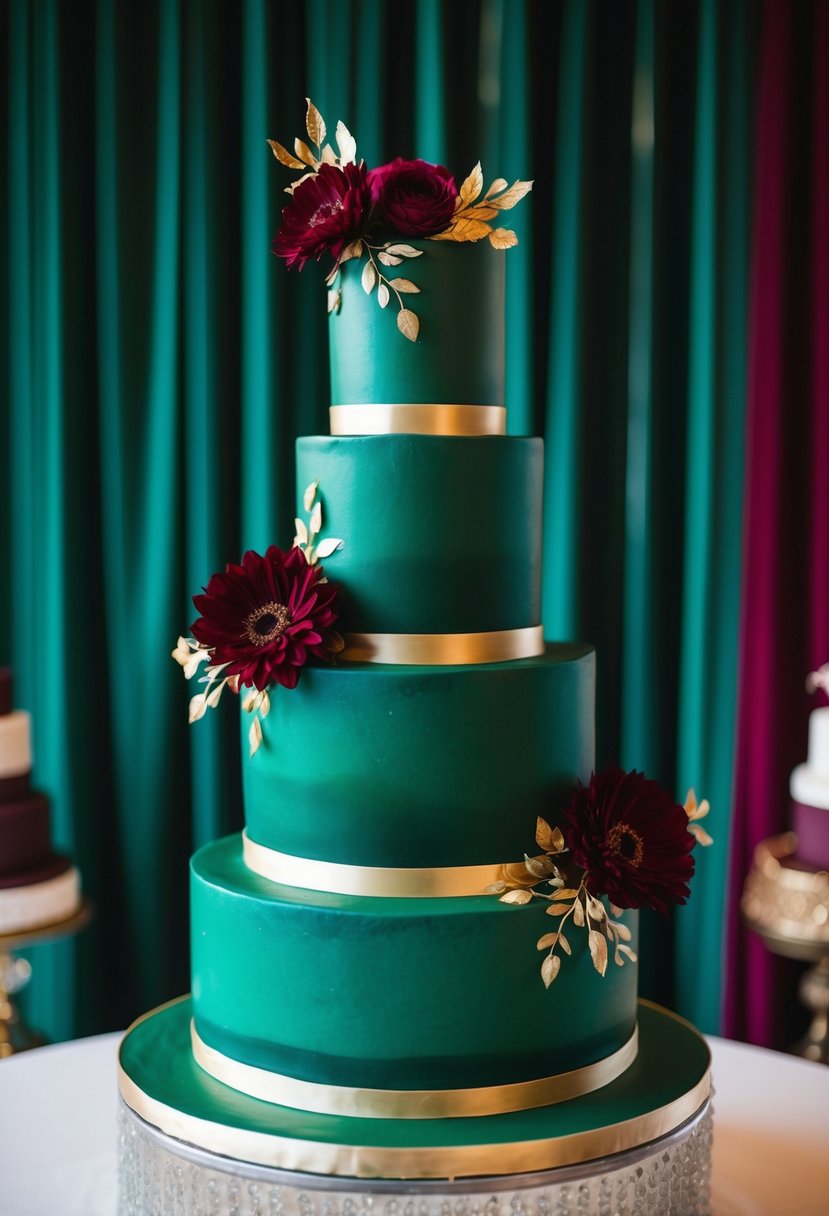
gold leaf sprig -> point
(190, 654)
(307, 161)
(306, 534)
(389, 254)
(518, 885)
(471, 221)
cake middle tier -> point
(393, 994)
(441, 535)
(372, 765)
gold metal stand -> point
(787, 905)
(15, 973)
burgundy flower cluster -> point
(337, 205)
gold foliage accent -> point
(314, 123)
(471, 219)
(520, 883)
(408, 324)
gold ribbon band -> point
(418, 419)
(380, 881)
(444, 649)
(407, 1103)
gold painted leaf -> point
(315, 522)
(368, 278)
(388, 260)
(255, 735)
(305, 154)
(408, 324)
(567, 893)
(326, 547)
(335, 299)
(512, 196)
(301, 537)
(627, 952)
(284, 157)
(382, 295)
(622, 930)
(598, 951)
(404, 285)
(495, 888)
(352, 250)
(265, 705)
(537, 866)
(328, 156)
(480, 212)
(558, 909)
(547, 941)
(472, 186)
(500, 183)
(314, 123)
(198, 707)
(616, 911)
(346, 144)
(595, 909)
(503, 238)
(404, 251)
(468, 230)
(516, 897)
(565, 945)
(578, 914)
(547, 838)
(309, 495)
(550, 968)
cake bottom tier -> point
(665, 1091)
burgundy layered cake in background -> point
(809, 786)
(37, 887)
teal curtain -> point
(158, 364)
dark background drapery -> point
(158, 364)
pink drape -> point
(785, 591)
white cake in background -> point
(809, 788)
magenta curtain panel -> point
(785, 579)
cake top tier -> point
(415, 285)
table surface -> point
(58, 1148)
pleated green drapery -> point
(159, 364)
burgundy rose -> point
(631, 839)
(326, 211)
(412, 197)
(267, 616)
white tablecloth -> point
(58, 1111)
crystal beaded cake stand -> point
(640, 1146)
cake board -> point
(190, 1144)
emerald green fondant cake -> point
(373, 957)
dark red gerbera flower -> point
(631, 839)
(327, 211)
(265, 617)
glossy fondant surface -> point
(440, 534)
(162, 1082)
(374, 765)
(390, 993)
(458, 357)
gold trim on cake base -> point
(444, 649)
(385, 882)
(409, 1103)
(418, 419)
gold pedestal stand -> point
(787, 905)
(15, 1035)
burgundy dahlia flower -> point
(631, 839)
(412, 197)
(267, 616)
(327, 211)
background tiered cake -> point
(364, 1005)
(38, 887)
